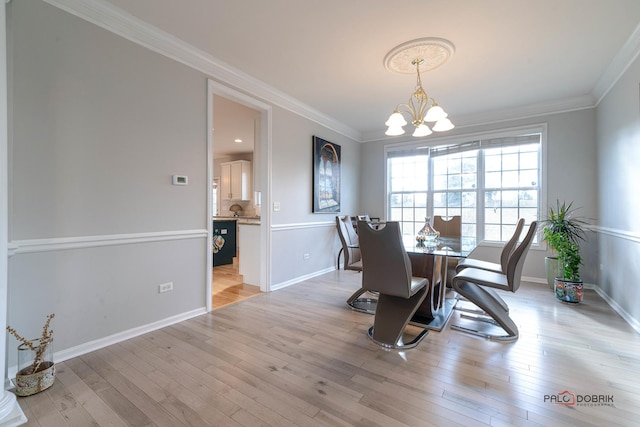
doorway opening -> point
(238, 173)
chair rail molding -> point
(64, 243)
(118, 21)
(622, 234)
(302, 225)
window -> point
(490, 182)
(408, 190)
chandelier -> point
(427, 53)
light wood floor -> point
(228, 286)
(299, 356)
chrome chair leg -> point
(492, 308)
(362, 305)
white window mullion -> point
(480, 198)
(430, 188)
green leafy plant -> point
(563, 231)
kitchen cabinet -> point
(235, 180)
(249, 247)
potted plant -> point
(36, 370)
(563, 232)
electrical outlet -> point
(165, 287)
(305, 256)
(276, 206)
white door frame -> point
(215, 88)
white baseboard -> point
(275, 287)
(618, 309)
(534, 280)
(61, 356)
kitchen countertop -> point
(240, 219)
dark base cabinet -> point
(224, 242)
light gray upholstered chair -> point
(353, 261)
(387, 270)
(507, 250)
(449, 227)
(474, 284)
(349, 240)
(365, 217)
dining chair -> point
(449, 227)
(365, 217)
(506, 252)
(387, 270)
(352, 261)
(349, 241)
(475, 285)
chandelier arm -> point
(407, 108)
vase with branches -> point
(35, 365)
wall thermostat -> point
(180, 180)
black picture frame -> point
(327, 164)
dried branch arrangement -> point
(39, 350)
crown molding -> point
(505, 115)
(117, 21)
(616, 69)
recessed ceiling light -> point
(238, 140)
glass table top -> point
(457, 247)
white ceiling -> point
(231, 122)
(513, 57)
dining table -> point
(429, 260)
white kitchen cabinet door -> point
(235, 180)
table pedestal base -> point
(440, 318)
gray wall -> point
(618, 130)
(296, 230)
(98, 127)
(570, 175)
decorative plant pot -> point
(552, 268)
(36, 370)
(568, 290)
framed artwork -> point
(326, 176)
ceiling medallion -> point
(432, 51)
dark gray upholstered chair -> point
(449, 227)
(387, 270)
(474, 284)
(507, 250)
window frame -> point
(541, 128)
